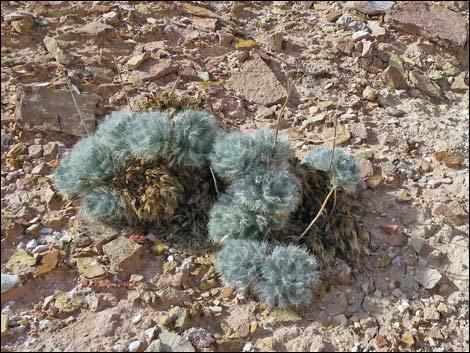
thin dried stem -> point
(178, 80)
(122, 85)
(317, 142)
(290, 85)
(215, 181)
(319, 212)
(334, 204)
(82, 120)
(334, 142)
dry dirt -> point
(399, 90)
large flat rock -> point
(50, 109)
(433, 21)
(257, 83)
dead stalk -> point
(319, 212)
(290, 85)
(122, 85)
(75, 103)
(215, 182)
(334, 141)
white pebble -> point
(40, 249)
(46, 230)
(31, 244)
(215, 309)
(134, 346)
(137, 319)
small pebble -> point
(31, 244)
(46, 230)
(137, 319)
(40, 249)
(215, 309)
(119, 347)
(134, 346)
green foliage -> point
(128, 142)
(229, 220)
(263, 192)
(148, 136)
(271, 191)
(107, 205)
(287, 276)
(234, 155)
(89, 160)
(237, 154)
(113, 133)
(194, 135)
(344, 170)
(265, 141)
(240, 263)
(282, 276)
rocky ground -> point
(395, 75)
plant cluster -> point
(280, 275)
(143, 168)
(136, 167)
(269, 195)
(263, 191)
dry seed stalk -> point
(319, 212)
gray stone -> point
(171, 342)
(35, 151)
(272, 42)
(152, 69)
(93, 29)
(121, 250)
(359, 35)
(359, 130)
(458, 270)
(135, 346)
(370, 7)
(425, 84)
(50, 151)
(9, 281)
(394, 74)
(54, 47)
(376, 30)
(369, 94)
(257, 83)
(431, 314)
(416, 243)
(428, 277)
(459, 84)
(154, 346)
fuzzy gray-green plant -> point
(131, 154)
(194, 135)
(272, 190)
(113, 133)
(287, 276)
(265, 141)
(234, 155)
(105, 204)
(237, 154)
(89, 160)
(240, 262)
(230, 220)
(149, 135)
(344, 171)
